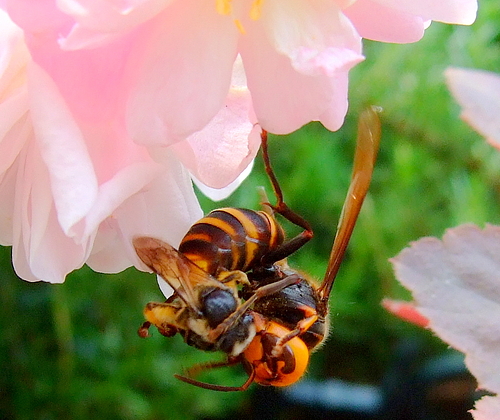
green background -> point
(72, 351)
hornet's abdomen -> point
(231, 239)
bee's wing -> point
(179, 272)
(364, 160)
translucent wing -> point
(364, 160)
(179, 272)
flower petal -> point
(296, 63)
(111, 16)
(284, 99)
(62, 146)
(448, 11)
(218, 194)
(37, 16)
(316, 35)
(379, 22)
(13, 56)
(184, 80)
(41, 250)
(8, 181)
(219, 153)
(114, 192)
(13, 128)
(165, 209)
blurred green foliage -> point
(71, 351)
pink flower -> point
(109, 108)
(74, 186)
(164, 56)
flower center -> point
(225, 7)
(256, 9)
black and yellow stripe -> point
(231, 239)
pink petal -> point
(80, 38)
(219, 153)
(455, 284)
(17, 131)
(70, 171)
(155, 73)
(98, 23)
(448, 11)
(218, 194)
(63, 148)
(328, 61)
(478, 92)
(225, 159)
(334, 113)
(41, 250)
(164, 210)
(184, 77)
(93, 83)
(124, 184)
(92, 172)
(13, 55)
(298, 77)
(284, 99)
(111, 16)
(7, 198)
(376, 21)
(165, 288)
(38, 16)
(316, 37)
(13, 128)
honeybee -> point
(233, 290)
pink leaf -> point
(455, 283)
(478, 92)
(406, 311)
(487, 408)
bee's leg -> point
(233, 278)
(289, 247)
(143, 330)
(311, 316)
(196, 369)
(163, 316)
(260, 292)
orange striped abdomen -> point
(231, 239)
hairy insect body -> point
(231, 239)
(234, 291)
(199, 306)
(224, 244)
(295, 305)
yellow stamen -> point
(256, 9)
(240, 26)
(223, 7)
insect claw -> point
(143, 330)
